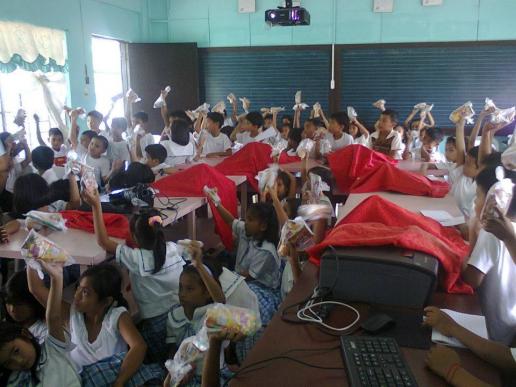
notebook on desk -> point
(474, 323)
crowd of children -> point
(94, 341)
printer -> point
(385, 275)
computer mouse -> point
(377, 322)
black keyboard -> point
(375, 362)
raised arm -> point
(103, 240)
(164, 108)
(323, 117)
(28, 158)
(363, 130)
(225, 214)
(275, 119)
(216, 293)
(410, 117)
(53, 315)
(234, 112)
(476, 129)
(297, 118)
(38, 131)
(486, 144)
(460, 142)
(74, 201)
(74, 129)
(431, 121)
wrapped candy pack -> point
(184, 248)
(297, 97)
(489, 105)
(204, 108)
(310, 212)
(160, 102)
(317, 187)
(509, 157)
(380, 104)
(267, 177)
(36, 246)
(325, 146)
(231, 98)
(191, 115)
(305, 147)
(317, 109)
(503, 116)
(297, 233)
(39, 219)
(236, 146)
(298, 103)
(246, 104)
(132, 95)
(499, 195)
(219, 107)
(352, 114)
(465, 111)
(89, 180)
(212, 194)
(420, 106)
(117, 97)
(190, 351)
(277, 109)
(278, 148)
(232, 318)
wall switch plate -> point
(429, 3)
(246, 6)
(383, 5)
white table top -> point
(212, 161)
(81, 245)
(408, 202)
(184, 206)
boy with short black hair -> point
(42, 161)
(95, 159)
(156, 154)
(386, 140)
(337, 131)
(214, 143)
(93, 120)
(180, 147)
(56, 140)
(118, 150)
(428, 151)
(251, 126)
(142, 132)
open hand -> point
(91, 197)
(498, 224)
(437, 319)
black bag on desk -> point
(138, 196)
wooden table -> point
(81, 245)
(182, 206)
(409, 202)
(280, 337)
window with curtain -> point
(33, 67)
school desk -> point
(81, 245)
(281, 337)
(179, 207)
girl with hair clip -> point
(108, 351)
(154, 268)
(199, 288)
(22, 308)
(26, 362)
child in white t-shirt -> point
(180, 148)
(141, 133)
(214, 143)
(338, 131)
(155, 156)
(428, 151)
(95, 158)
(386, 140)
(358, 131)
(43, 163)
(118, 149)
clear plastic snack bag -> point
(219, 107)
(317, 109)
(310, 212)
(297, 97)
(236, 147)
(232, 318)
(305, 147)
(499, 195)
(420, 106)
(190, 351)
(117, 97)
(301, 106)
(503, 116)
(232, 99)
(465, 111)
(131, 94)
(184, 248)
(297, 233)
(380, 104)
(316, 188)
(352, 114)
(160, 102)
(267, 177)
(279, 147)
(277, 109)
(88, 179)
(212, 194)
(39, 219)
(490, 106)
(36, 246)
(246, 104)
(193, 116)
(265, 110)
(204, 108)
(509, 157)
(325, 146)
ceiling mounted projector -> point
(288, 16)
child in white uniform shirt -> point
(180, 148)
(142, 133)
(338, 127)
(24, 361)
(43, 163)
(386, 140)
(95, 159)
(155, 156)
(118, 149)
(251, 127)
(359, 132)
(56, 140)
(428, 151)
(214, 142)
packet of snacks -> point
(489, 106)
(499, 195)
(267, 177)
(246, 104)
(131, 94)
(277, 109)
(352, 114)
(317, 187)
(420, 106)
(190, 351)
(297, 97)
(503, 116)
(160, 102)
(325, 146)
(305, 147)
(380, 104)
(236, 147)
(212, 194)
(509, 157)
(310, 212)
(39, 219)
(89, 180)
(465, 111)
(298, 103)
(219, 107)
(204, 108)
(297, 233)
(278, 148)
(36, 246)
(232, 318)
(232, 99)
(317, 109)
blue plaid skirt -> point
(154, 332)
(104, 373)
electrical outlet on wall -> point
(429, 3)
(246, 6)
(383, 5)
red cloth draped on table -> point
(379, 222)
(191, 182)
(358, 169)
(117, 225)
(248, 161)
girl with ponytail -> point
(154, 269)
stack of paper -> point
(444, 217)
(474, 323)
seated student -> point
(180, 147)
(338, 128)
(490, 269)
(386, 140)
(80, 143)
(43, 161)
(215, 143)
(358, 131)
(56, 140)
(118, 149)
(295, 136)
(428, 151)
(416, 127)
(154, 268)
(108, 347)
(287, 119)
(26, 362)
(142, 133)
(23, 308)
(285, 188)
(95, 158)
(251, 127)
(198, 290)
(93, 120)
(445, 361)
(155, 156)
